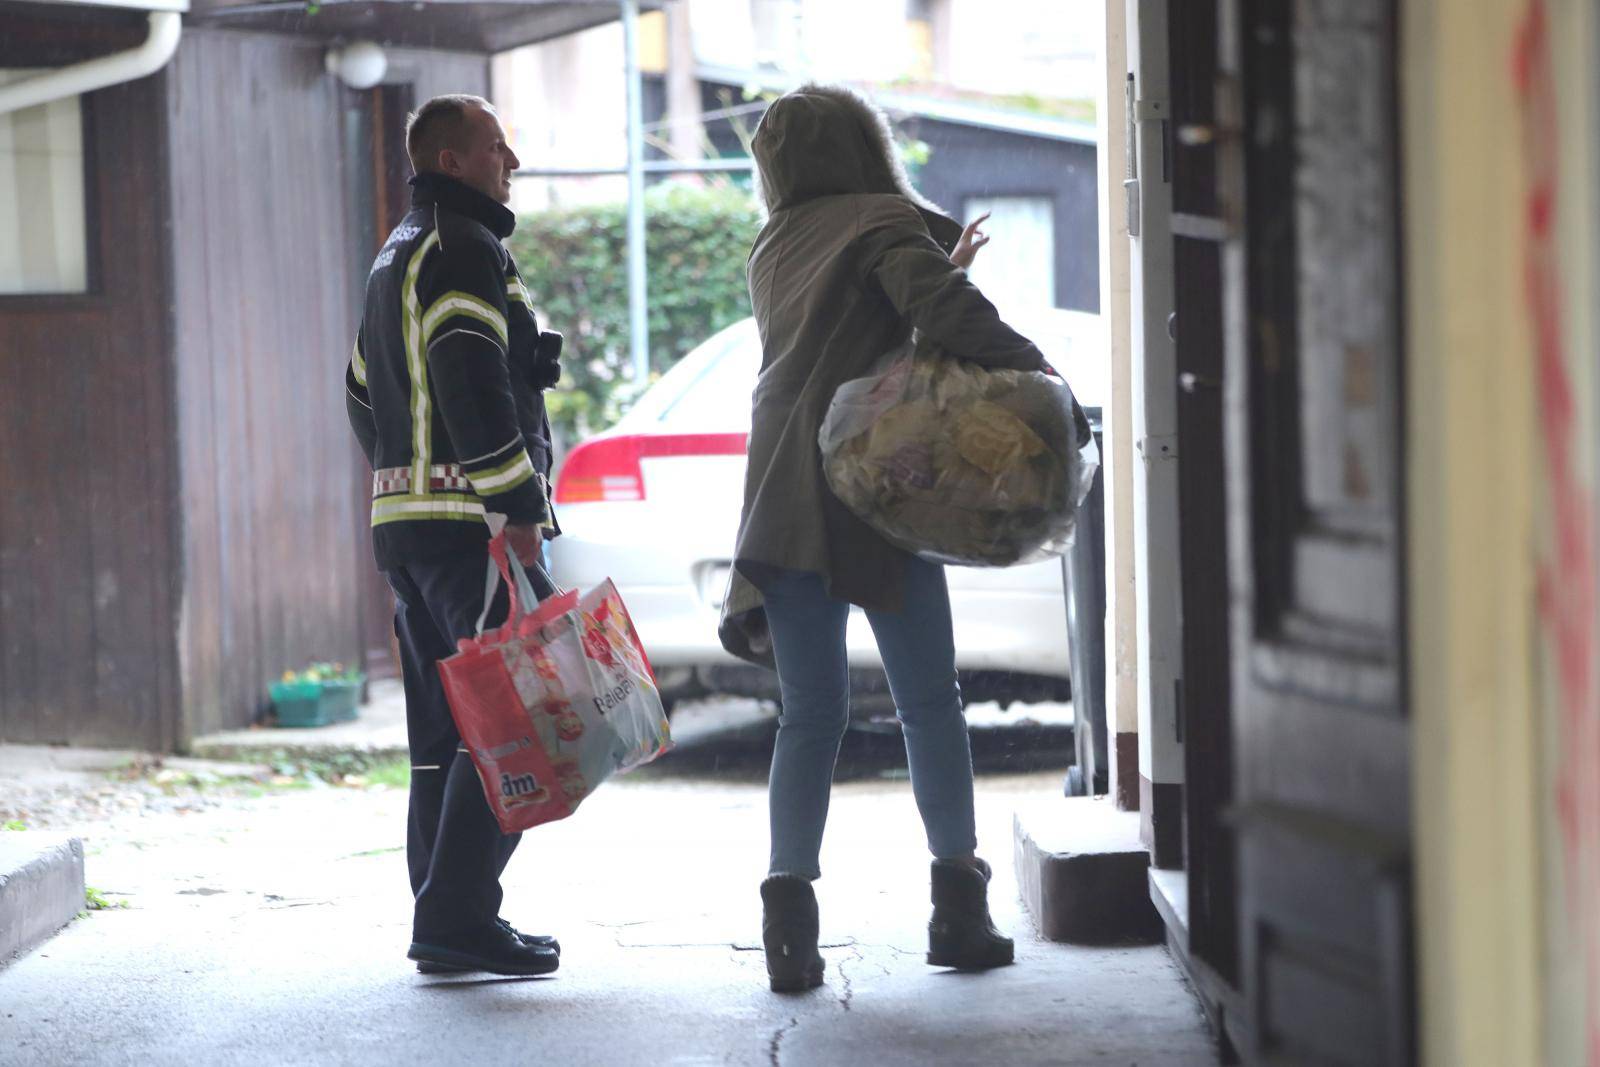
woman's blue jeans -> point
(918, 651)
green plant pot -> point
(304, 704)
(340, 699)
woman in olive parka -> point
(849, 261)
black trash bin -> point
(1084, 568)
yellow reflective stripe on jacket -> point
(504, 478)
(416, 364)
(515, 290)
(408, 506)
(358, 365)
(459, 303)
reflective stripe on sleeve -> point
(516, 290)
(459, 303)
(504, 478)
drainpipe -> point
(101, 72)
(638, 310)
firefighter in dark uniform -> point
(444, 391)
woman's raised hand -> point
(972, 239)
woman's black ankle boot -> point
(960, 934)
(789, 933)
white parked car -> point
(653, 504)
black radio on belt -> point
(547, 359)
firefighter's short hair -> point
(437, 125)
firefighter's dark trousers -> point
(454, 847)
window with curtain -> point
(43, 238)
(1017, 269)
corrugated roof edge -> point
(125, 5)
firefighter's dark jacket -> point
(444, 386)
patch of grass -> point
(354, 769)
(172, 783)
(135, 769)
(375, 852)
(13, 824)
(95, 900)
(275, 771)
(396, 774)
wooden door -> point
(1308, 188)
(379, 198)
(1199, 235)
(90, 519)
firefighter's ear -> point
(449, 162)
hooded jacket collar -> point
(432, 188)
(828, 140)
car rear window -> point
(690, 376)
(714, 393)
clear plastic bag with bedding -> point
(957, 462)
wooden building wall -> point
(87, 464)
(181, 511)
(261, 332)
(275, 543)
(429, 72)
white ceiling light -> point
(360, 64)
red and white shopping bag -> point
(555, 701)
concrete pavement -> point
(273, 932)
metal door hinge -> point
(1130, 186)
(1190, 382)
(1163, 447)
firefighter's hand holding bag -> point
(556, 700)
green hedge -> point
(575, 263)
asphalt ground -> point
(269, 924)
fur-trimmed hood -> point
(829, 140)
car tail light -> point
(607, 468)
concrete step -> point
(41, 888)
(1084, 873)
(378, 733)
